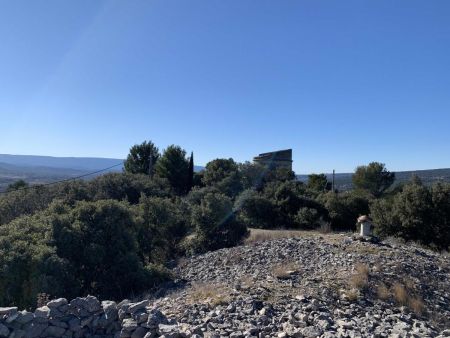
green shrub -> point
(24, 202)
(215, 224)
(286, 195)
(224, 175)
(99, 241)
(129, 187)
(163, 223)
(290, 197)
(197, 180)
(65, 251)
(71, 192)
(252, 175)
(197, 194)
(17, 185)
(117, 186)
(440, 195)
(280, 204)
(256, 211)
(417, 213)
(29, 263)
(218, 169)
(308, 218)
(344, 208)
(382, 215)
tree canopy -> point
(318, 182)
(373, 178)
(174, 166)
(142, 158)
(17, 185)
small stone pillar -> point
(366, 225)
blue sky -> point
(343, 83)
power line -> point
(61, 181)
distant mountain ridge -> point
(73, 163)
(77, 163)
(343, 181)
(44, 169)
(11, 169)
(36, 169)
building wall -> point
(275, 159)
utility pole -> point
(150, 165)
(332, 185)
(190, 182)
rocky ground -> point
(317, 285)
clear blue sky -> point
(343, 83)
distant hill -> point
(34, 175)
(343, 181)
(45, 169)
(77, 163)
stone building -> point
(275, 159)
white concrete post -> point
(366, 225)
(365, 229)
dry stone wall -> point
(85, 317)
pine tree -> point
(173, 165)
(373, 178)
(142, 158)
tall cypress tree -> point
(191, 173)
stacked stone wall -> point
(85, 317)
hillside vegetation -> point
(118, 234)
(46, 169)
(289, 284)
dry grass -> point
(325, 228)
(360, 279)
(357, 281)
(362, 269)
(417, 305)
(383, 292)
(214, 294)
(247, 281)
(366, 249)
(404, 296)
(42, 299)
(261, 235)
(400, 293)
(285, 270)
(352, 295)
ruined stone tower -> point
(275, 159)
